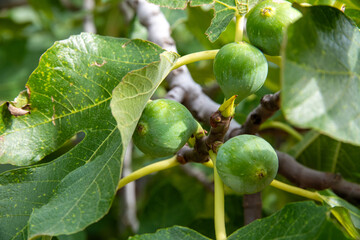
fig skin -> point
(164, 127)
(240, 69)
(267, 23)
(247, 164)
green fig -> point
(164, 127)
(240, 69)
(267, 22)
(247, 164)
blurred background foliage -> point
(173, 197)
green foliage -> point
(304, 220)
(97, 87)
(321, 83)
(329, 155)
(64, 101)
(225, 11)
(67, 99)
(347, 214)
(180, 3)
(134, 91)
(176, 233)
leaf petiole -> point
(285, 187)
(295, 190)
(282, 126)
(194, 57)
(219, 214)
(274, 59)
(239, 28)
(155, 167)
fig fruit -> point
(267, 23)
(247, 163)
(164, 127)
(240, 69)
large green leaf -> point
(321, 82)
(197, 23)
(348, 3)
(69, 89)
(173, 233)
(352, 8)
(354, 14)
(225, 11)
(347, 214)
(132, 94)
(179, 3)
(301, 220)
(70, 93)
(323, 153)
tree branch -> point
(129, 192)
(269, 105)
(12, 3)
(89, 25)
(252, 207)
(305, 177)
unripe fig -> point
(247, 164)
(240, 69)
(164, 127)
(267, 22)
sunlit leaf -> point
(70, 92)
(321, 74)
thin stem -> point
(155, 167)
(274, 59)
(224, 4)
(285, 187)
(296, 190)
(194, 57)
(208, 164)
(219, 214)
(282, 126)
(239, 28)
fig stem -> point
(280, 125)
(295, 190)
(219, 205)
(283, 186)
(239, 28)
(155, 167)
(227, 109)
(274, 59)
(194, 57)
